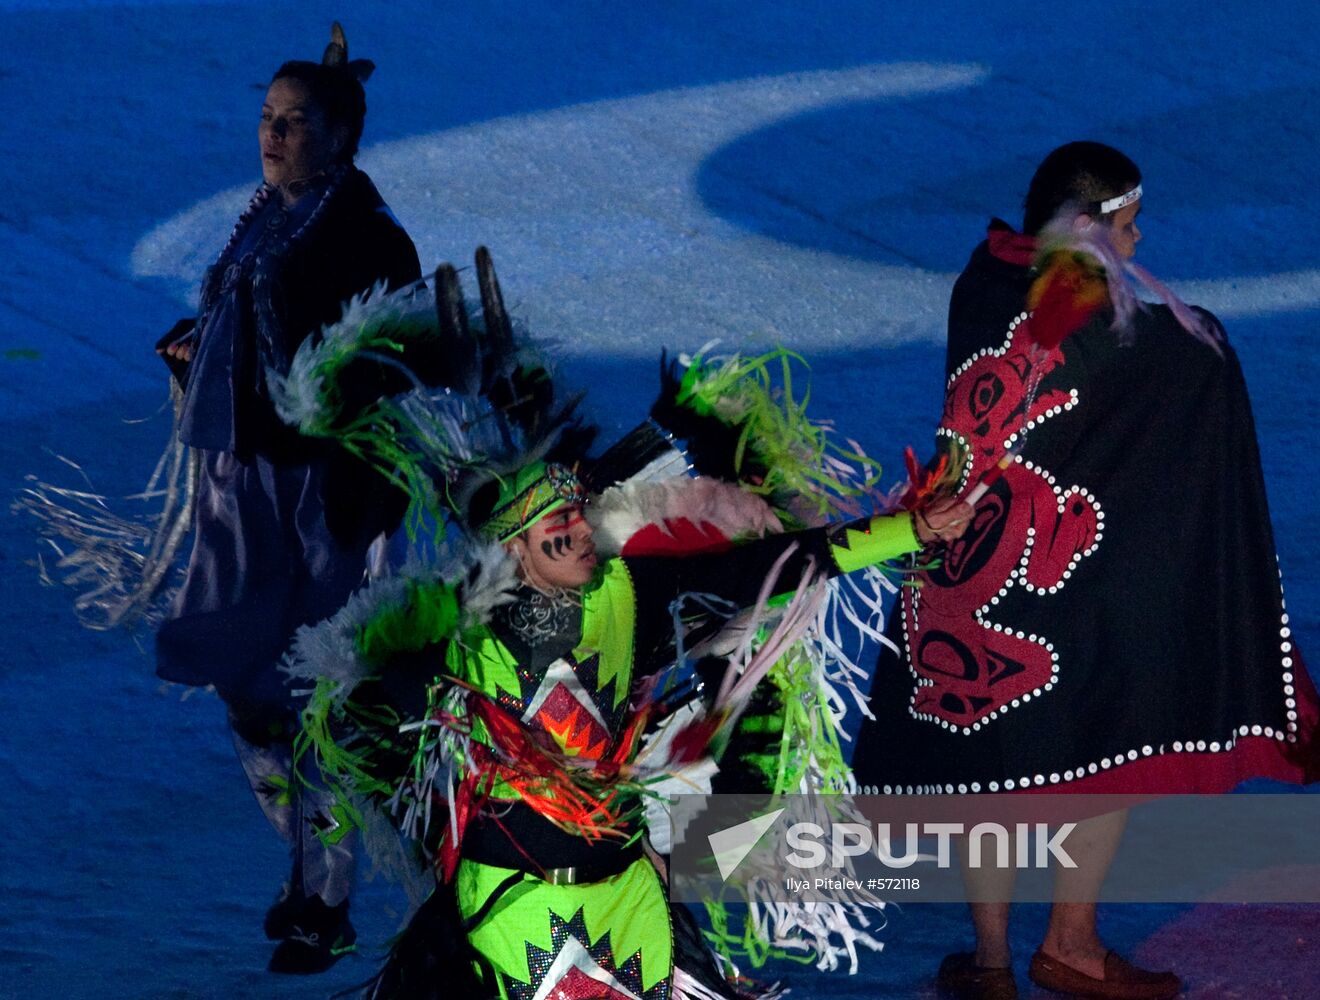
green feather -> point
(797, 454)
(429, 615)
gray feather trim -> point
(328, 649)
(485, 574)
(302, 398)
(421, 437)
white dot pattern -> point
(1287, 730)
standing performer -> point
(283, 522)
(492, 703)
(1112, 621)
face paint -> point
(559, 523)
(558, 546)
(559, 551)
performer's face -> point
(557, 552)
(1123, 231)
(296, 141)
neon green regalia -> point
(538, 711)
(499, 727)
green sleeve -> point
(860, 544)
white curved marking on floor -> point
(600, 238)
(1261, 295)
(603, 244)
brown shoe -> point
(1122, 980)
(960, 978)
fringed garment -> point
(544, 704)
(282, 523)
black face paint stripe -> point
(557, 548)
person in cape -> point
(1086, 634)
(283, 523)
(493, 703)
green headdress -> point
(533, 492)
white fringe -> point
(693, 779)
(832, 930)
(124, 565)
(684, 987)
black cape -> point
(1117, 596)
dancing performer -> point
(1112, 621)
(283, 523)
(493, 706)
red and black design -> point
(575, 967)
(1027, 532)
(1113, 620)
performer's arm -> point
(858, 544)
(738, 574)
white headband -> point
(1122, 201)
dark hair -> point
(1083, 172)
(337, 92)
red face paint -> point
(570, 520)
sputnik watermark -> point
(853, 840)
(821, 848)
(729, 847)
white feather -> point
(622, 511)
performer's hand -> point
(181, 349)
(179, 342)
(943, 520)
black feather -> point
(711, 445)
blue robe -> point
(283, 523)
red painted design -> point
(577, 985)
(1026, 532)
(571, 518)
(572, 726)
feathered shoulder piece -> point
(377, 326)
(678, 515)
(426, 387)
(406, 612)
(377, 674)
(740, 421)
